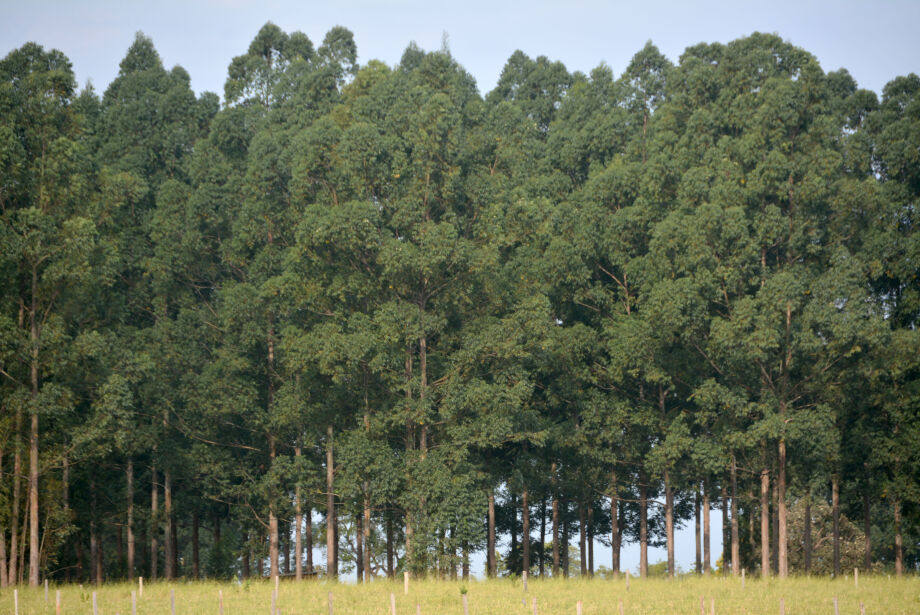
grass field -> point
(801, 596)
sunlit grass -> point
(801, 596)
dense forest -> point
(365, 308)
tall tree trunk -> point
(14, 518)
(391, 570)
(93, 536)
(308, 530)
(167, 539)
(565, 540)
(4, 579)
(808, 532)
(298, 526)
(898, 543)
(555, 522)
(542, 536)
(835, 506)
(669, 522)
(582, 540)
(512, 526)
(359, 548)
(697, 533)
(525, 532)
(196, 570)
(366, 526)
(34, 549)
(736, 544)
(154, 523)
(119, 546)
(783, 560)
(245, 570)
(273, 536)
(490, 544)
(174, 540)
(774, 551)
(867, 530)
(590, 541)
(285, 532)
(643, 526)
(614, 526)
(330, 508)
(765, 523)
(707, 559)
(129, 476)
(726, 532)
(465, 572)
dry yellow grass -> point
(801, 596)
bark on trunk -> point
(330, 508)
(359, 549)
(555, 522)
(808, 534)
(154, 522)
(298, 528)
(129, 475)
(465, 572)
(590, 541)
(246, 571)
(614, 526)
(835, 506)
(726, 534)
(3, 574)
(274, 542)
(669, 522)
(14, 519)
(525, 532)
(783, 560)
(543, 537)
(898, 543)
(736, 545)
(33, 440)
(366, 526)
(765, 523)
(707, 559)
(643, 527)
(490, 556)
(170, 570)
(34, 549)
(391, 571)
(196, 568)
(582, 540)
(696, 533)
(308, 530)
(867, 530)
(565, 541)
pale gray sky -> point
(875, 41)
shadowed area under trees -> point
(368, 309)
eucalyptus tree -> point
(784, 293)
(48, 239)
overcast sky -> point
(875, 41)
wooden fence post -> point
(172, 601)
(133, 603)
(57, 602)
(330, 603)
(406, 582)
